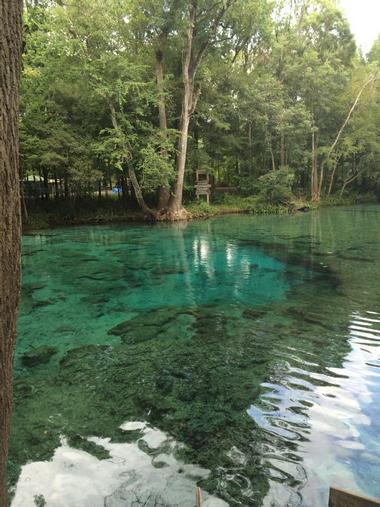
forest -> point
(273, 99)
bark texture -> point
(10, 55)
(189, 68)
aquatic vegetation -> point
(38, 356)
(250, 340)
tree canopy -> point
(146, 92)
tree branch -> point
(344, 124)
(197, 58)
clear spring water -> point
(251, 341)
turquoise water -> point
(254, 341)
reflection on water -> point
(331, 416)
(252, 340)
(142, 473)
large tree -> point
(10, 52)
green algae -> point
(40, 355)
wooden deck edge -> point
(343, 498)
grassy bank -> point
(46, 215)
(250, 205)
(255, 205)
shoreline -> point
(46, 220)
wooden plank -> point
(202, 185)
(343, 498)
(198, 498)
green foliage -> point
(275, 187)
(156, 164)
(349, 199)
(201, 209)
(240, 203)
(272, 75)
(39, 500)
(237, 204)
(247, 185)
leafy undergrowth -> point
(253, 205)
(348, 200)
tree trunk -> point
(191, 61)
(350, 112)
(314, 169)
(321, 180)
(10, 221)
(332, 177)
(188, 73)
(56, 185)
(272, 158)
(66, 184)
(250, 142)
(164, 191)
(46, 183)
(138, 193)
(124, 186)
(350, 179)
(161, 91)
(40, 189)
(341, 130)
(282, 150)
(176, 201)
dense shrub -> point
(246, 185)
(275, 187)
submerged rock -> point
(163, 460)
(162, 322)
(23, 389)
(253, 313)
(41, 304)
(41, 355)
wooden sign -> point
(202, 185)
(343, 498)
